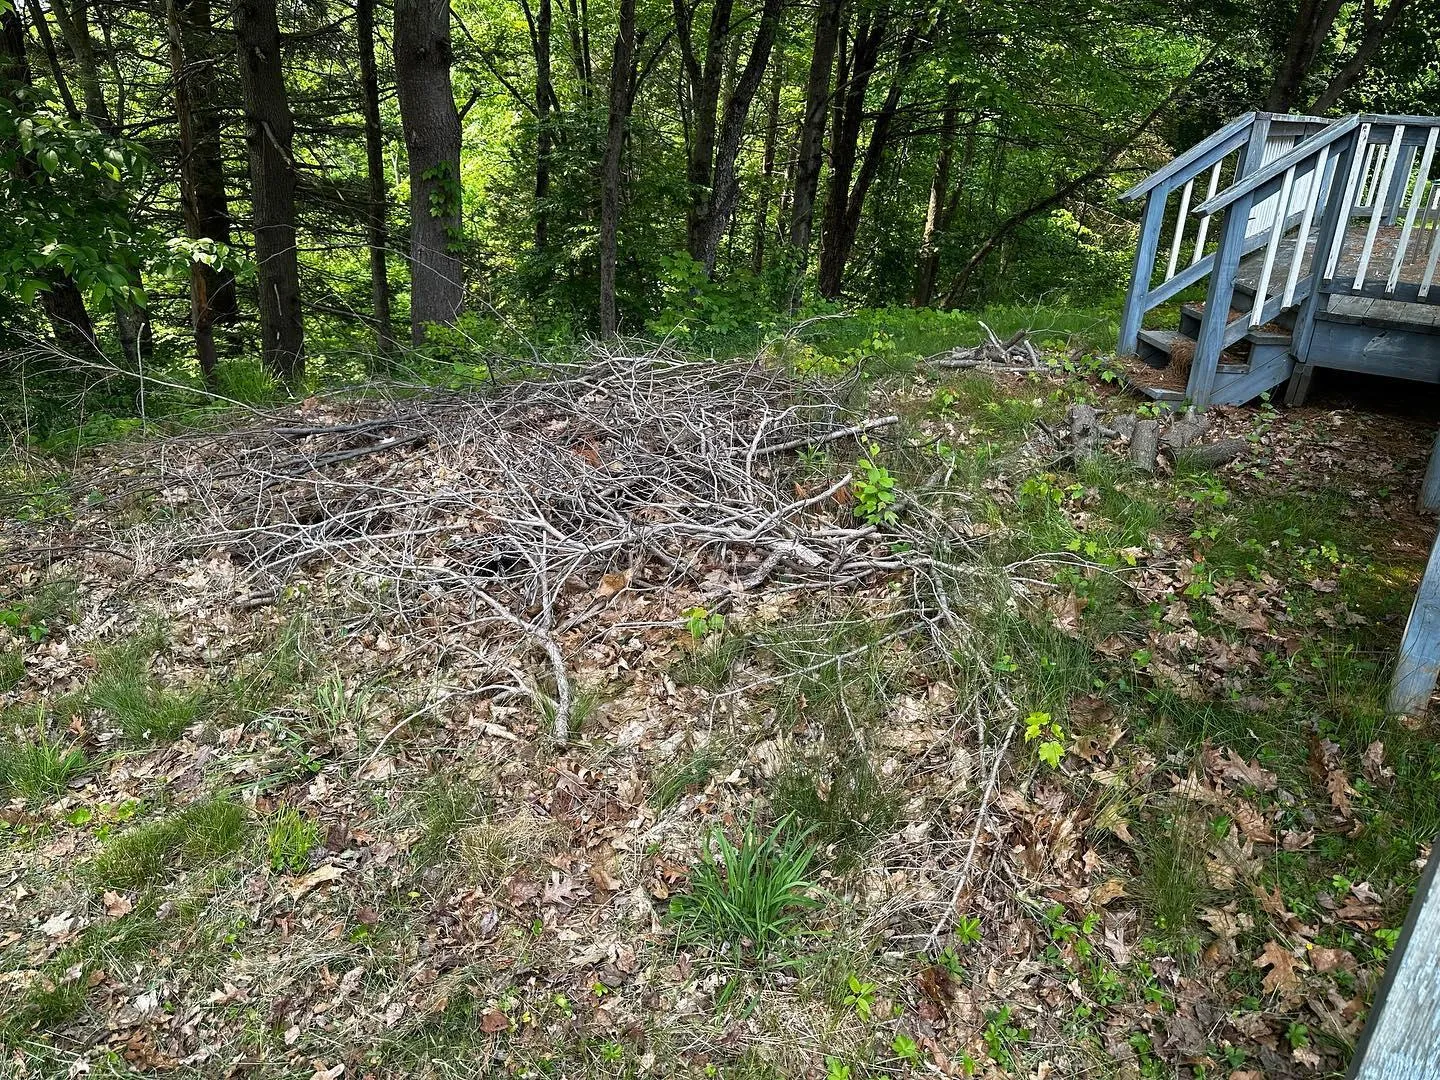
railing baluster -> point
(1302, 239)
(1379, 211)
(1277, 229)
(1351, 200)
(1370, 151)
(1434, 252)
(1179, 228)
(1416, 197)
(1205, 221)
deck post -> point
(1332, 224)
(1429, 501)
(1210, 342)
(1399, 181)
(1146, 249)
(1419, 662)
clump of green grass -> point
(1172, 886)
(290, 837)
(831, 673)
(202, 834)
(712, 661)
(749, 897)
(130, 696)
(446, 809)
(12, 669)
(39, 766)
(844, 804)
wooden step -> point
(1158, 347)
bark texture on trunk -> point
(203, 200)
(622, 66)
(928, 261)
(432, 140)
(377, 202)
(718, 114)
(1314, 20)
(269, 133)
(545, 104)
(810, 145)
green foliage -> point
(752, 896)
(201, 834)
(687, 773)
(1049, 736)
(874, 491)
(1172, 883)
(36, 765)
(12, 669)
(290, 837)
(701, 622)
(846, 806)
(143, 710)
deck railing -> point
(1205, 171)
(1333, 199)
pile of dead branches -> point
(529, 506)
(1015, 353)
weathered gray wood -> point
(1262, 177)
(1200, 156)
(1207, 455)
(1400, 354)
(1213, 323)
(1136, 302)
(1335, 219)
(1402, 1035)
(1145, 444)
(1266, 372)
(1430, 490)
(1419, 662)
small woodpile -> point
(1145, 440)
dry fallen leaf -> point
(1283, 976)
(117, 904)
(328, 872)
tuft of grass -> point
(492, 848)
(143, 710)
(711, 663)
(202, 834)
(831, 674)
(845, 806)
(447, 808)
(39, 767)
(12, 669)
(1172, 886)
(290, 836)
(749, 897)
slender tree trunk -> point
(544, 100)
(268, 135)
(212, 290)
(810, 144)
(62, 85)
(621, 66)
(767, 171)
(725, 187)
(928, 263)
(432, 138)
(701, 92)
(377, 200)
(74, 22)
(1375, 32)
(61, 300)
(858, 65)
(1313, 22)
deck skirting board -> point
(1400, 354)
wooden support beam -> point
(1430, 490)
(1144, 268)
(1419, 662)
(1402, 1035)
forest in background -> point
(277, 193)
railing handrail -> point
(1305, 149)
(1190, 157)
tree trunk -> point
(1371, 39)
(767, 171)
(62, 85)
(857, 66)
(211, 290)
(268, 136)
(701, 93)
(622, 64)
(928, 263)
(810, 144)
(544, 104)
(1313, 21)
(432, 139)
(73, 20)
(725, 187)
(61, 299)
(377, 196)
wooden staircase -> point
(1324, 256)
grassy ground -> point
(1148, 820)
